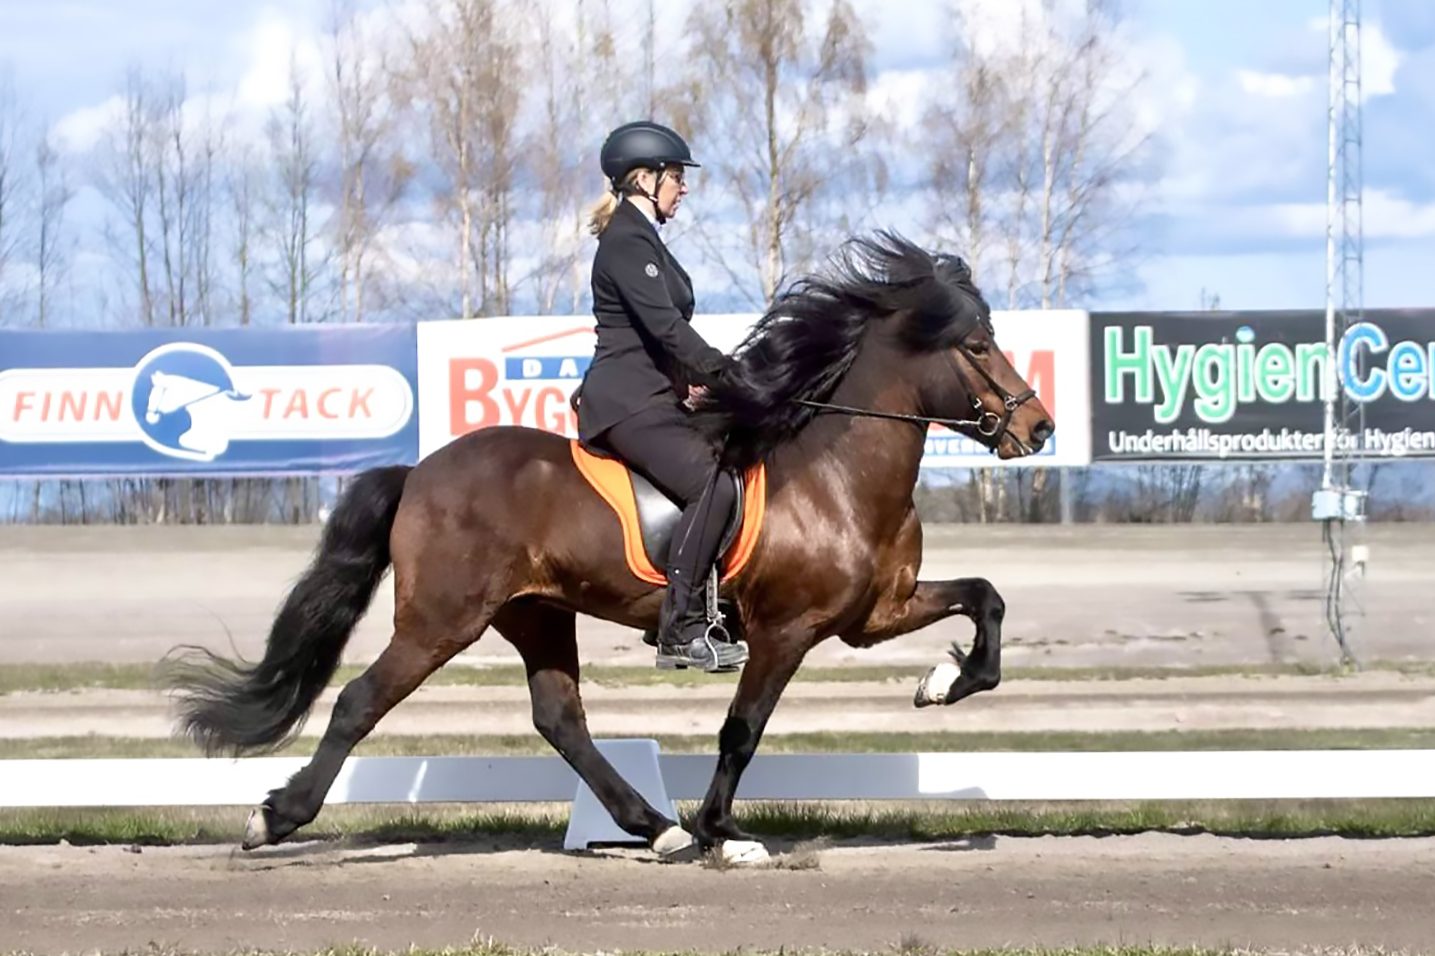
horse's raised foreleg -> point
(763, 680)
(546, 638)
(934, 601)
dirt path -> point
(1002, 891)
(1087, 595)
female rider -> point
(649, 364)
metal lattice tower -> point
(1339, 506)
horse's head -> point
(963, 374)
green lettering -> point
(1246, 378)
(1311, 361)
(1173, 371)
(1216, 392)
(1136, 363)
(1275, 373)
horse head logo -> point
(183, 400)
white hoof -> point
(671, 841)
(743, 853)
(933, 688)
(256, 831)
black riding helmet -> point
(642, 145)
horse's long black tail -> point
(237, 707)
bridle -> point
(990, 425)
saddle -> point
(649, 518)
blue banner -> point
(191, 402)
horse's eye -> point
(979, 348)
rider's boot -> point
(687, 637)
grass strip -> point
(908, 946)
(16, 678)
(385, 745)
(527, 825)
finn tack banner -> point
(1251, 385)
(243, 401)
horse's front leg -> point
(933, 601)
(764, 676)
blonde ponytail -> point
(602, 211)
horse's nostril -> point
(1042, 430)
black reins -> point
(988, 424)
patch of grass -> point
(15, 678)
(910, 944)
(1366, 819)
(517, 824)
(525, 825)
(502, 745)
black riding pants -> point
(671, 452)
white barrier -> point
(1215, 775)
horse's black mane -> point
(808, 338)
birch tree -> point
(465, 78)
(292, 229)
(52, 247)
(12, 199)
(373, 171)
(780, 100)
(124, 177)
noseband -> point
(988, 424)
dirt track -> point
(1085, 595)
(995, 892)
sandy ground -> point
(1076, 597)
(1149, 889)
(1085, 595)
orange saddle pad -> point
(614, 483)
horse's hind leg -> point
(412, 655)
(546, 638)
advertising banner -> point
(241, 401)
(1251, 385)
(521, 370)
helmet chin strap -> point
(651, 197)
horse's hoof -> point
(672, 841)
(743, 853)
(256, 830)
(932, 689)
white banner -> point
(521, 370)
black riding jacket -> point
(648, 353)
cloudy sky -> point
(1236, 95)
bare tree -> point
(806, 89)
(12, 196)
(243, 186)
(51, 247)
(965, 133)
(373, 172)
(557, 167)
(124, 177)
(464, 76)
(291, 228)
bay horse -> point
(834, 389)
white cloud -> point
(274, 45)
(1386, 216)
(1274, 85)
(79, 130)
(1379, 61)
